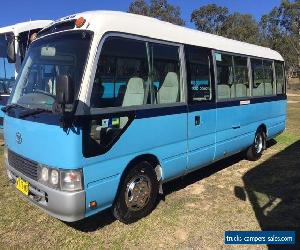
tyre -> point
(255, 151)
(137, 194)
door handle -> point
(236, 126)
(197, 120)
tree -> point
(210, 18)
(217, 20)
(281, 31)
(139, 7)
(159, 9)
(241, 27)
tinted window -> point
(262, 75)
(224, 75)
(198, 73)
(132, 72)
(257, 77)
(268, 77)
(165, 73)
(122, 65)
(279, 70)
(240, 87)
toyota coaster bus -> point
(108, 106)
(14, 41)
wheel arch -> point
(263, 127)
(151, 159)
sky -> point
(14, 11)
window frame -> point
(274, 80)
(284, 77)
(107, 110)
(211, 77)
(216, 76)
(214, 51)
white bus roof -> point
(101, 22)
(25, 26)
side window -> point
(257, 71)
(241, 87)
(165, 77)
(121, 74)
(268, 77)
(224, 75)
(132, 72)
(198, 73)
(280, 80)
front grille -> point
(27, 167)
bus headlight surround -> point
(64, 180)
(71, 180)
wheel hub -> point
(137, 193)
(258, 143)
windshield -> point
(46, 60)
(7, 70)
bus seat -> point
(223, 91)
(240, 90)
(268, 88)
(134, 94)
(260, 90)
(169, 90)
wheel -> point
(137, 194)
(255, 151)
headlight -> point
(54, 177)
(65, 180)
(71, 180)
(44, 174)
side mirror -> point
(11, 52)
(64, 90)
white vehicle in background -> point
(14, 41)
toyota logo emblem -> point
(18, 138)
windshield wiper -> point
(10, 106)
(34, 112)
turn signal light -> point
(93, 204)
(80, 22)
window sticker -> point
(105, 123)
(116, 122)
(218, 57)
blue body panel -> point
(46, 144)
(236, 126)
(201, 138)
(179, 145)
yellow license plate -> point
(22, 186)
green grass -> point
(234, 194)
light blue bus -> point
(108, 106)
(14, 41)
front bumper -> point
(66, 206)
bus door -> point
(202, 107)
(232, 93)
